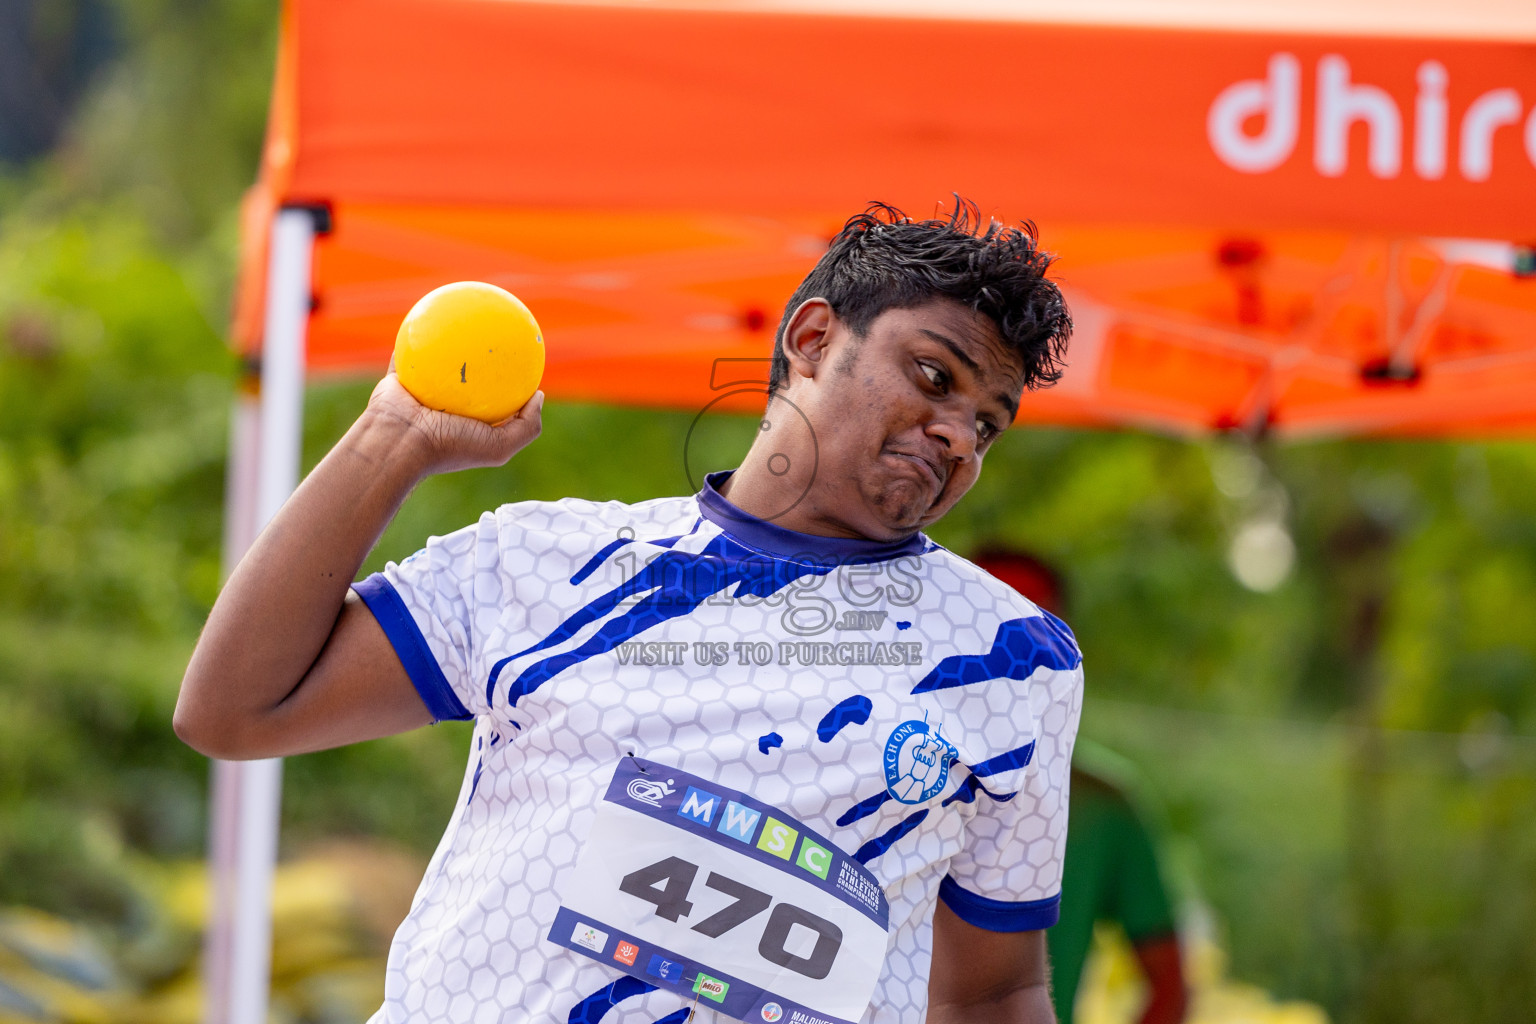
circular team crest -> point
(772, 1012)
(916, 762)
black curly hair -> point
(882, 259)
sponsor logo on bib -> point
(592, 938)
(666, 970)
(916, 762)
(772, 1012)
(711, 988)
(649, 791)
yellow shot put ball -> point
(471, 349)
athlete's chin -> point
(903, 509)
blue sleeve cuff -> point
(411, 648)
(998, 915)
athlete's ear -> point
(806, 337)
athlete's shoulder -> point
(980, 586)
(599, 518)
(980, 591)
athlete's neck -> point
(778, 482)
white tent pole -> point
(224, 805)
(247, 795)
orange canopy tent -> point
(1301, 217)
(1263, 218)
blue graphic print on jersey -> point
(768, 741)
(676, 583)
(890, 837)
(1020, 647)
(864, 808)
(1018, 757)
(596, 1006)
(853, 711)
(969, 788)
(598, 559)
(614, 545)
(966, 793)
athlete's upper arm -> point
(1004, 884)
(986, 975)
(356, 690)
(403, 650)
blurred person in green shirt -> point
(1112, 871)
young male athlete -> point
(762, 753)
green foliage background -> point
(1346, 765)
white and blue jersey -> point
(896, 713)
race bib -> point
(705, 891)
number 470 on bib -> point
(668, 884)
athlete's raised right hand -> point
(445, 442)
(291, 660)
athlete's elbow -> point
(210, 734)
(220, 744)
(198, 734)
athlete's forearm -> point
(277, 611)
(1028, 1004)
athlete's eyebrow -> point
(959, 353)
(1003, 398)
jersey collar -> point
(773, 539)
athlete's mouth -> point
(931, 469)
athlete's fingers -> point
(521, 429)
(459, 442)
(532, 409)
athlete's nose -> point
(957, 432)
